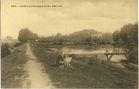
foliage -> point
(106, 38)
(4, 49)
(116, 37)
(128, 38)
(127, 35)
(87, 36)
(9, 39)
(18, 44)
(25, 35)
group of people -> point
(64, 59)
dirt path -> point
(37, 78)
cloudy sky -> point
(74, 15)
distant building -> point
(98, 35)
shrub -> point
(18, 44)
(4, 50)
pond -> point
(96, 51)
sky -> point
(74, 15)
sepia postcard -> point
(54, 44)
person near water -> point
(60, 58)
(67, 61)
(64, 59)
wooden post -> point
(109, 57)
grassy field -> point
(95, 75)
(12, 71)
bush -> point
(133, 56)
(4, 50)
(18, 44)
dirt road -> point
(37, 78)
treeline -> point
(9, 43)
(127, 37)
(87, 36)
(25, 35)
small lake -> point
(83, 51)
(97, 51)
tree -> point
(25, 34)
(128, 38)
(116, 36)
(4, 49)
(89, 40)
(129, 34)
(106, 38)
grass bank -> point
(12, 68)
(95, 75)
